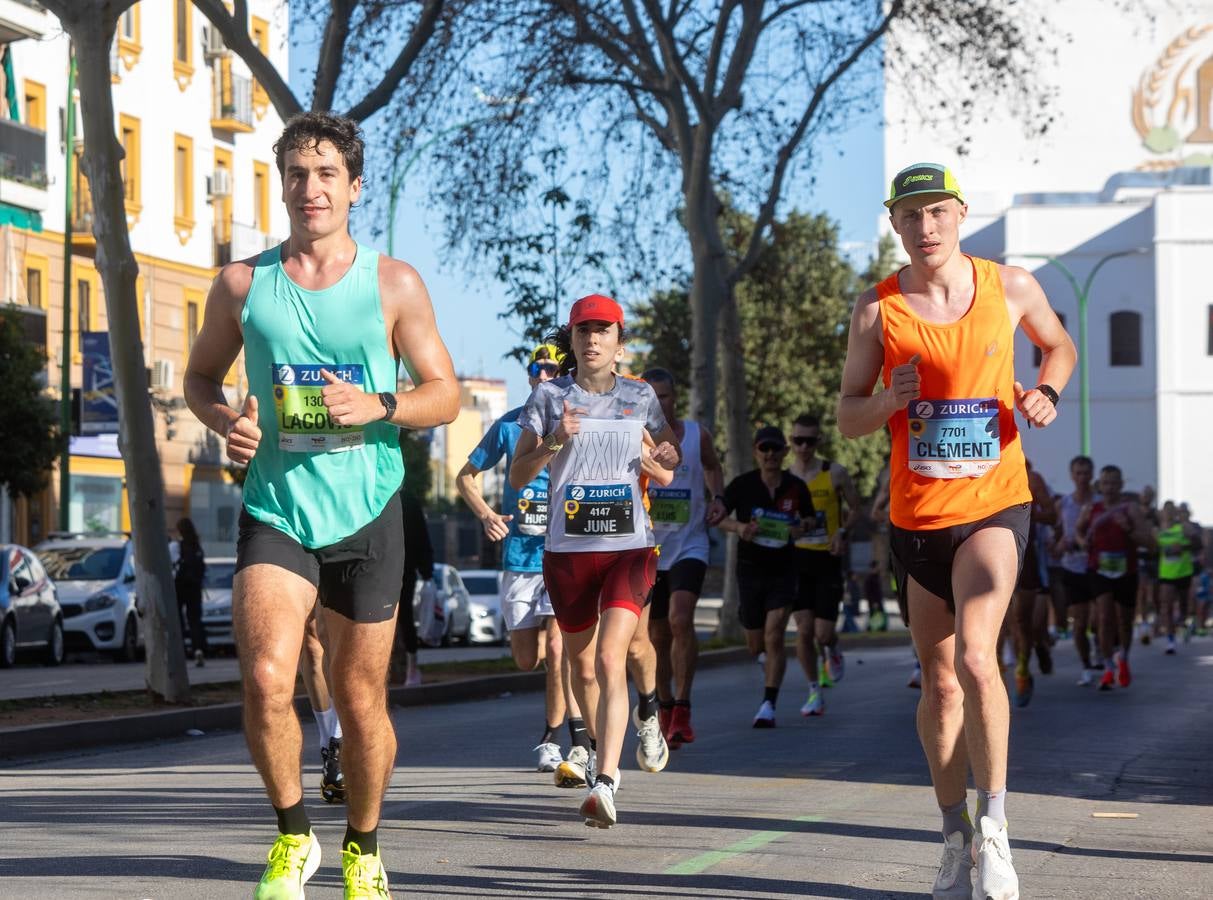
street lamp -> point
(1082, 293)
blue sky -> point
(849, 187)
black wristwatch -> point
(388, 399)
(1050, 394)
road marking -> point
(697, 864)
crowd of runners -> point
(605, 521)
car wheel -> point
(129, 651)
(8, 644)
(54, 644)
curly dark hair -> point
(562, 337)
(306, 130)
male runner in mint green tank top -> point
(324, 322)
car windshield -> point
(480, 584)
(83, 563)
(220, 575)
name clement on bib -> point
(953, 438)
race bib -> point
(774, 528)
(953, 438)
(669, 508)
(1173, 551)
(1112, 565)
(819, 533)
(598, 510)
(304, 425)
(531, 517)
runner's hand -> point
(665, 455)
(837, 544)
(570, 423)
(748, 530)
(347, 404)
(905, 384)
(496, 527)
(243, 435)
(716, 513)
(1034, 406)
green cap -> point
(923, 178)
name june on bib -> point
(953, 438)
(532, 514)
(304, 424)
(598, 510)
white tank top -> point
(1072, 560)
(678, 511)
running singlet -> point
(1174, 554)
(596, 498)
(1112, 552)
(678, 511)
(1072, 560)
(956, 455)
(827, 508)
(523, 550)
(312, 479)
(776, 514)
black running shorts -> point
(818, 583)
(359, 576)
(1122, 589)
(762, 589)
(685, 575)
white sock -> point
(327, 725)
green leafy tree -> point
(30, 421)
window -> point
(129, 45)
(84, 308)
(183, 45)
(35, 105)
(259, 31)
(129, 129)
(261, 197)
(1037, 355)
(1124, 335)
(193, 317)
(37, 280)
(183, 181)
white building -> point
(1123, 171)
(202, 188)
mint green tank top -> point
(312, 479)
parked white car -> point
(453, 597)
(484, 603)
(95, 577)
(217, 601)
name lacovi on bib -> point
(953, 438)
(304, 424)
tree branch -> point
(669, 53)
(739, 62)
(379, 95)
(233, 28)
(332, 53)
(787, 8)
(712, 66)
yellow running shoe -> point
(364, 875)
(293, 859)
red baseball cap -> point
(595, 308)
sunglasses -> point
(536, 367)
(803, 441)
(766, 447)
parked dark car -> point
(30, 617)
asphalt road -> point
(836, 807)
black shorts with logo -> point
(358, 577)
(818, 583)
(685, 575)
(927, 555)
(761, 589)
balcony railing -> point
(22, 154)
(232, 108)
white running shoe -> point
(1085, 679)
(572, 772)
(835, 664)
(652, 753)
(815, 705)
(996, 878)
(549, 757)
(598, 807)
(765, 717)
(955, 877)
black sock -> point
(667, 705)
(593, 745)
(647, 705)
(770, 694)
(549, 733)
(686, 703)
(293, 819)
(367, 841)
(605, 779)
(578, 734)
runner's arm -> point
(713, 476)
(1044, 329)
(655, 470)
(496, 526)
(860, 411)
(530, 457)
(415, 338)
(846, 486)
(216, 347)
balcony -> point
(22, 166)
(82, 213)
(21, 19)
(232, 102)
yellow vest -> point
(827, 504)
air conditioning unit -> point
(162, 375)
(219, 183)
(212, 44)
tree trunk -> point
(92, 28)
(738, 430)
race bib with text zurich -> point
(953, 438)
(532, 514)
(669, 508)
(304, 425)
(774, 528)
(598, 510)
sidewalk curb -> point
(34, 740)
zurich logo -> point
(286, 374)
(924, 410)
(577, 493)
(528, 494)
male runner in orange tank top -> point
(942, 330)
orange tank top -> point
(956, 454)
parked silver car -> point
(453, 600)
(217, 601)
(484, 600)
(30, 616)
